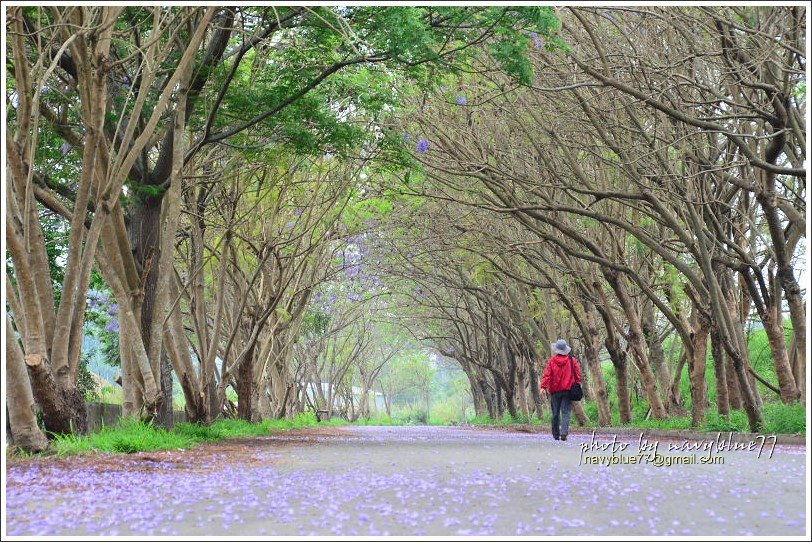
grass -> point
(128, 436)
(781, 418)
(131, 435)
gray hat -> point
(560, 347)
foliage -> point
(132, 435)
(85, 384)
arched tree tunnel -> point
(392, 212)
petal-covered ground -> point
(409, 481)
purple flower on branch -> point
(113, 326)
(461, 100)
(422, 145)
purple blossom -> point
(95, 297)
(422, 145)
(536, 40)
(112, 310)
(113, 326)
(352, 271)
(461, 100)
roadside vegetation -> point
(131, 435)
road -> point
(411, 481)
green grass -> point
(132, 435)
(781, 418)
(128, 436)
(735, 421)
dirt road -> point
(415, 481)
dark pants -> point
(560, 406)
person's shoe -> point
(556, 438)
(563, 437)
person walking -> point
(560, 374)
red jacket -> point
(558, 374)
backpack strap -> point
(572, 367)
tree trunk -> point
(510, 402)
(489, 397)
(387, 403)
(580, 414)
(264, 409)
(785, 275)
(656, 354)
(618, 357)
(535, 392)
(521, 391)
(721, 378)
(216, 403)
(698, 362)
(165, 416)
(591, 348)
(245, 387)
(477, 396)
(363, 404)
(676, 391)
(733, 393)
(774, 328)
(144, 234)
(22, 420)
(618, 284)
(624, 396)
(798, 365)
(63, 411)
